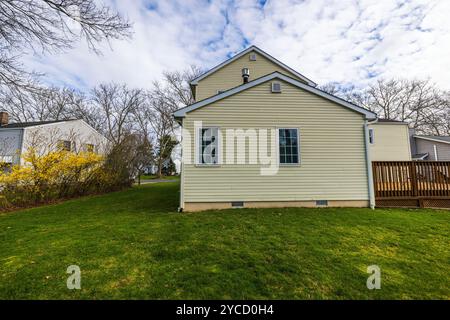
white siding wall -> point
(46, 137)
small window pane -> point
(288, 146)
(209, 146)
(371, 136)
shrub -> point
(58, 175)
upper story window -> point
(288, 145)
(208, 142)
(252, 57)
(371, 136)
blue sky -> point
(352, 42)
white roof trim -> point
(431, 139)
(182, 112)
(261, 52)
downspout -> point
(369, 166)
(181, 207)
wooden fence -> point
(412, 183)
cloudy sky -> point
(351, 42)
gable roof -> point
(31, 124)
(261, 52)
(443, 139)
(275, 75)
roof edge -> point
(180, 113)
(245, 51)
(431, 139)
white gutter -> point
(369, 166)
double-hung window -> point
(288, 145)
(208, 142)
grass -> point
(134, 245)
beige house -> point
(389, 141)
(262, 135)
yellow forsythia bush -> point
(55, 175)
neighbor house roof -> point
(381, 120)
(443, 139)
(261, 52)
(31, 124)
(275, 75)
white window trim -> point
(298, 147)
(198, 147)
(372, 135)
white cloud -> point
(349, 41)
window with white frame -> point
(208, 142)
(371, 136)
(288, 145)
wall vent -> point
(237, 204)
(276, 87)
(252, 57)
(322, 203)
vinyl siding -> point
(332, 150)
(391, 142)
(230, 76)
(426, 146)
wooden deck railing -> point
(411, 180)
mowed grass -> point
(134, 245)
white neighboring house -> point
(73, 135)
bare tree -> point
(50, 26)
(418, 102)
(166, 97)
(331, 88)
(42, 104)
(177, 90)
(117, 103)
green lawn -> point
(133, 244)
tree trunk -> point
(159, 168)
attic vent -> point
(276, 87)
(252, 56)
(322, 203)
(237, 204)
